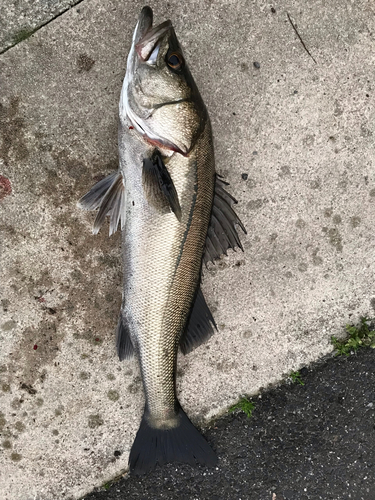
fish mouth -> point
(147, 37)
(145, 45)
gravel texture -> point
(303, 442)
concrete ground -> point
(295, 139)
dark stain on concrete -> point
(84, 62)
(302, 267)
(30, 361)
(95, 421)
(285, 172)
(16, 457)
(256, 204)
(28, 388)
(7, 444)
(20, 426)
(334, 237)
(337, 219)
(2, 421)
(355, 221)
(328, 212)
(300, 223)
(316, 184)
(113, 395)
(12, 132)
(317, 261)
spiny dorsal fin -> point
(125, 349)
(222, 233)
(200, 326)
(158, 185)
(109, 195)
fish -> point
(175, 216)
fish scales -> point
(162, 263)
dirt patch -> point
(12, 132)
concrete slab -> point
(296, 141)
(19, 19)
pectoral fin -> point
(222, 233)
(109, 195)
(158, 186)
(200, 326)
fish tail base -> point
(182, 443)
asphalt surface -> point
(303, 442)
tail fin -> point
(183, 443)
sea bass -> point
(175, 215)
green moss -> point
(296, 378)
(243, 405)
(362, 335)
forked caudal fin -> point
(183, 444)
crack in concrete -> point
(33, 31)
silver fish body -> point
(162, 265)
(174, 214)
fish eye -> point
(175, 60)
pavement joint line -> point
(45, 23)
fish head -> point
(159, 96)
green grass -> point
(243, 405)
(359, 336)
(296, 378)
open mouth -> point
(148, 37)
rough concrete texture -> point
(20, 18)
(296, 141)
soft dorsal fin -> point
(222, 233)
(125, 349)
(200, 326)
(109, 195)
(158, 185)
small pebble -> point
(244, 177)
(256, 65)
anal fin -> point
(158, 185)
(200, 326)
(125, 349)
